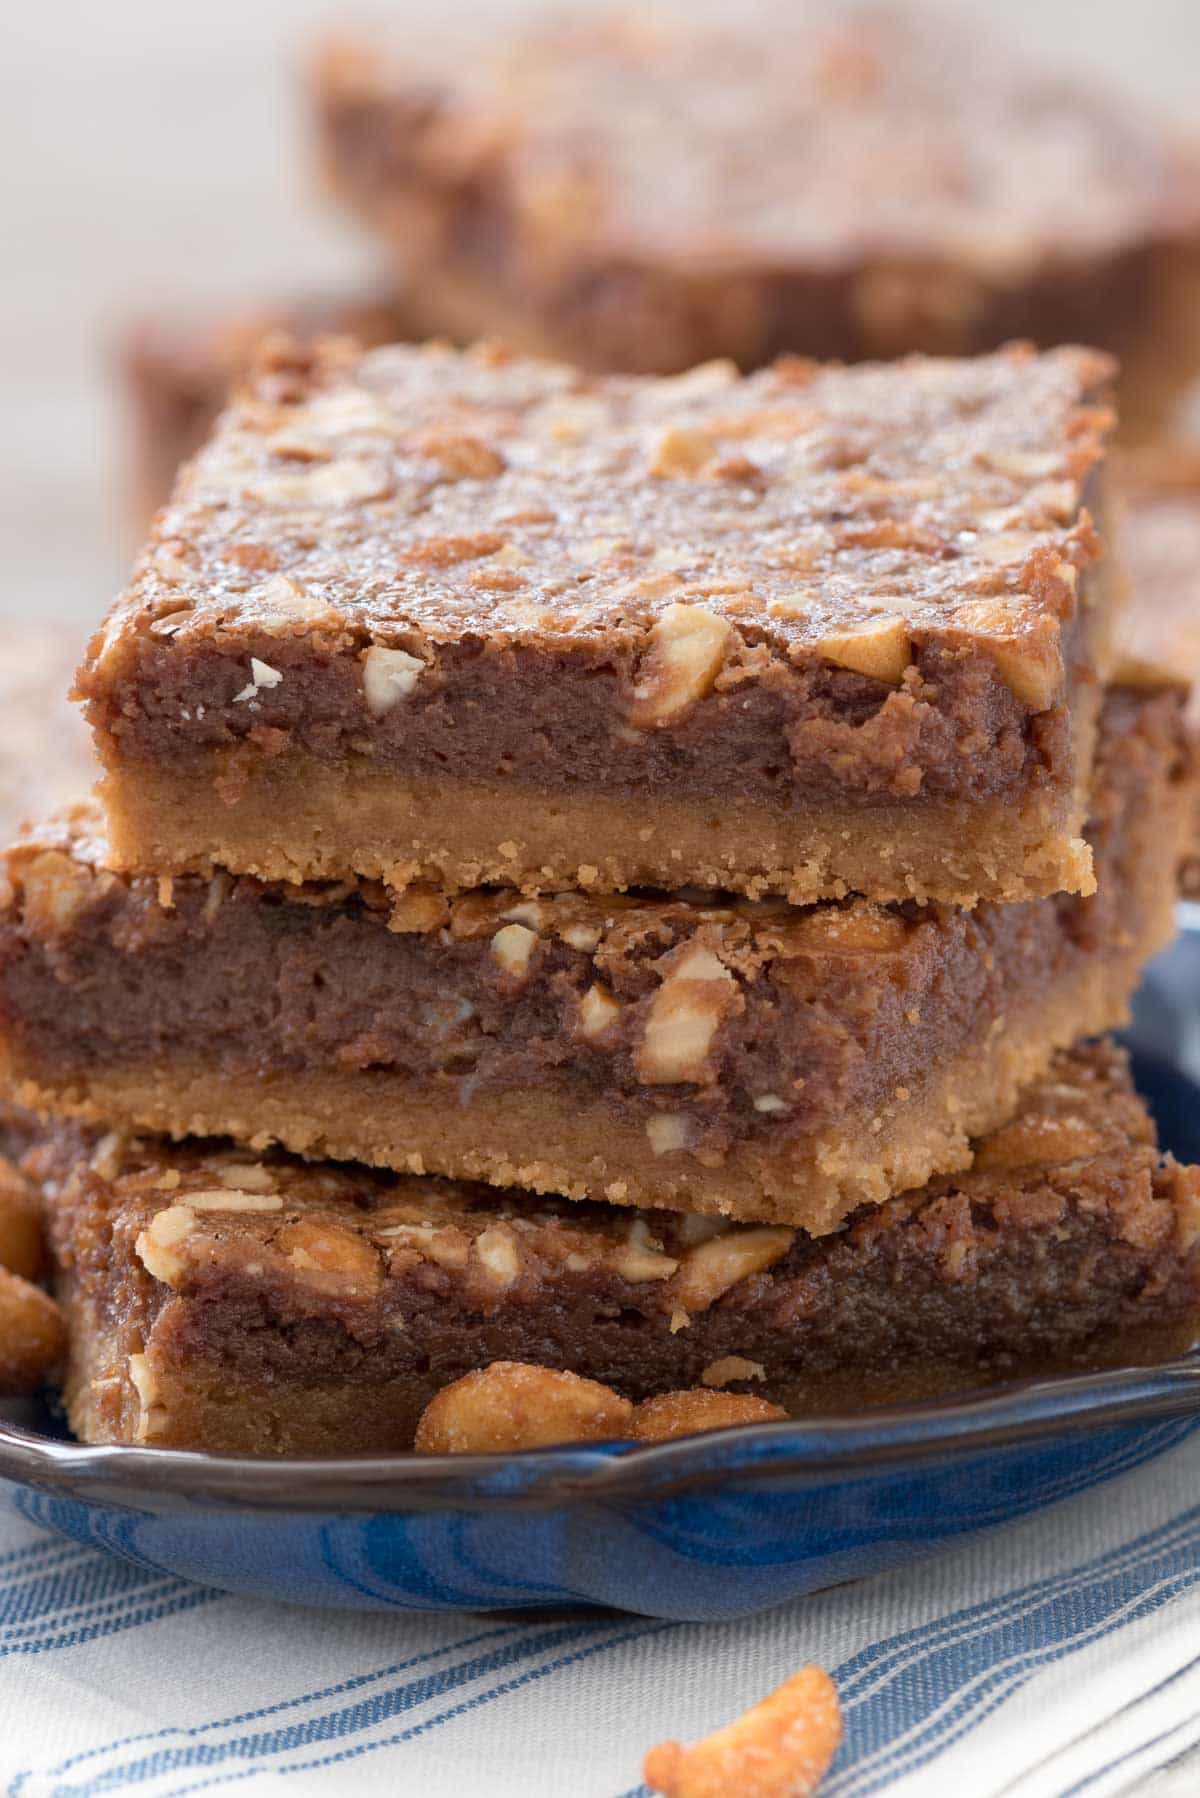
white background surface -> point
(153, 154)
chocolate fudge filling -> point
(828, 1006)
(277, 1278)
(555, 719)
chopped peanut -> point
(510, 1406)
(687, 647)
(21, 1249)
(712, 1267)
(780, 1748)
(389, 675)
(683, 1019)
(330, 1254)
(880, 649)
(33, 1334)
(671, 1414)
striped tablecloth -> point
(1061, 1655)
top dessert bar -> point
(642, 194)
(422, 614)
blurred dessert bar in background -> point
(420, 614)
(639, 192)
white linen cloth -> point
(1056, 1656)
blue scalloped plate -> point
(709, 1527)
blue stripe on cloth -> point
(921, 1660)
(46, 1594)
(879, 1658)
(952, 1694)
(575, 1658)
(185, 1598)
(333, 1725)
(35, 1550)
(356, 1684)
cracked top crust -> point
(391, 501)
(877, 134)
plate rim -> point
(801, 1451)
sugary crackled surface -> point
(198, 1214)
(789, 137)
(411, 496)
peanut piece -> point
(732, 1367)
(859, 928)
(151, 1415)
(346, 482)
(681, 450)
(316, 1248)
(597, 1010)
(462, 456)
(640, 1258)
(512, 946)
(21, 1248)
(1028, 657)
(246, 1176)
(780, 1748)
(880, 649)
(228, 1199)
(713, 1267)
(671, 1414)
(389, 675)
(158, 1244)
(496, 1252)
(510, 1406)
(687, 647)
(33, 1334)
(683, 1019)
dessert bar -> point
(177, 373)
(238, 1305)
(587, 189)
(419, 614)
(695, 1051)
(1159, 494)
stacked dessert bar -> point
(665, 841)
